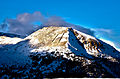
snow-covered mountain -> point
(57, 52)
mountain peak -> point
(50, 36)
(65, 37)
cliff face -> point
(59, 52)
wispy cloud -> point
(102, 30)
(23, 24)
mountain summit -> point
(58, 52)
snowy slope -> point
(65, 44)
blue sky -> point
(100, 15)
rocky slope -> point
(57, 52)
